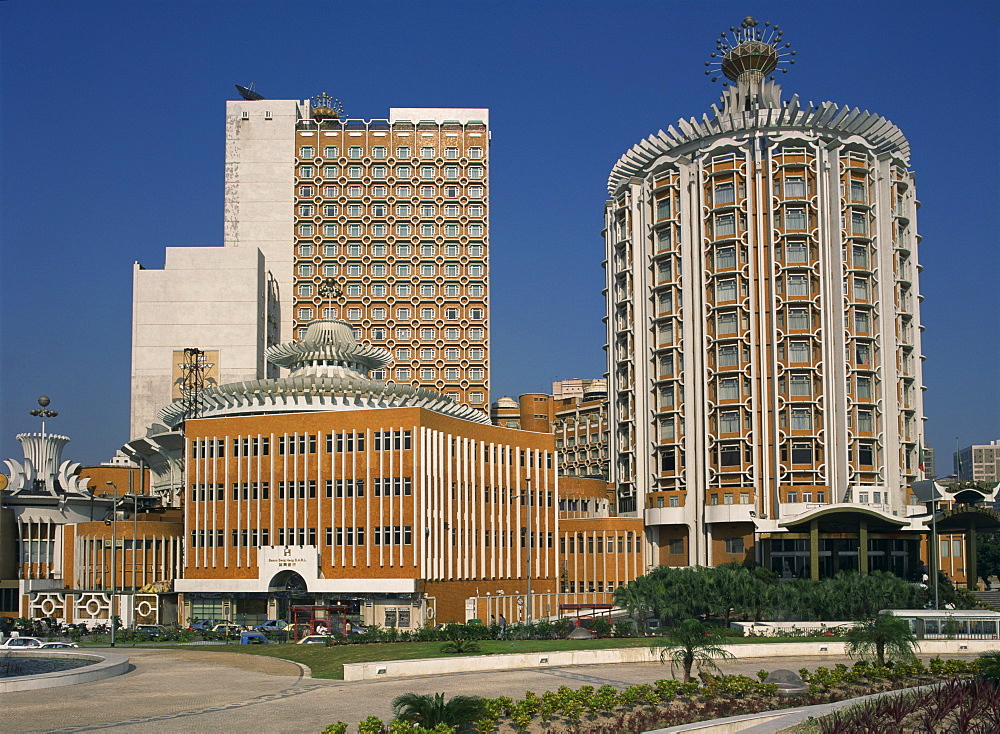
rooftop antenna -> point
(248, 93)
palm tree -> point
(881, 640)
(688, 644)
(431, 710)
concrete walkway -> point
(190, 691)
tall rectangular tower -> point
(396, 212)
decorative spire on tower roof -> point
(749, 54)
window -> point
(427, 230)
(451, 230)
(477, 314)
(403, 191)
(451, 373)
(725, 257)
(306, 230)
(796, 252)
(305, 291)
(427, 373)
(862, 292)
(858, 191)
(427, 210)
(477, 373)
(306, 171)
(476, 333)
(427, 353)
(726, 323)
(725, 193)
(379, 152)
(801, 386)
(864, 388)
(354, 151)
(729, 388)
(331, 230)
(726, 290)
(353, 314)
(798, 285)
(727, 498)
(402, 373)
(862, 321)
(663, 208)
(859, 224)
(734, 545)
(725, 225)
(354, 230)
(354, 210)
(863, 354)
(475, 210)
(330, 171)
(403, 151)
(428, 171)
(451, 313)
(330, 151)
(452, 333)
(728, 356)
(729, 421)
(866, 454)
(475, 172)
(330, 210)
(428, 333)
(305, 271)
(427, 152)
(866, 421)
(801, 419)
(306, 190)
(799, 353)
(379, 210)
(798, 318)
(795, 187)
(802, 453)
(307, 151)
(451, 153)
(404, 172)
(795, 219)
(404, 230)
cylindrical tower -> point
(763, 326)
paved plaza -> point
(186, 691)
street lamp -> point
(114, 573)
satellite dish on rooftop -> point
(248, 93)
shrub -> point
(988, 665)
(339, 728)
(371, 725)
(460, 647)
(601, 627)
(624, 628)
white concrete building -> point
(763, 322)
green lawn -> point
(328, 662)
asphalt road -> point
(189, 691)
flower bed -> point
(669, 702)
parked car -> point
(153, 630)
(272, 625)
(57, 645)
(21, 643)
(206, 624)
(253, 638)
(225, 628)
(316, 640)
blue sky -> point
(112, 148)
